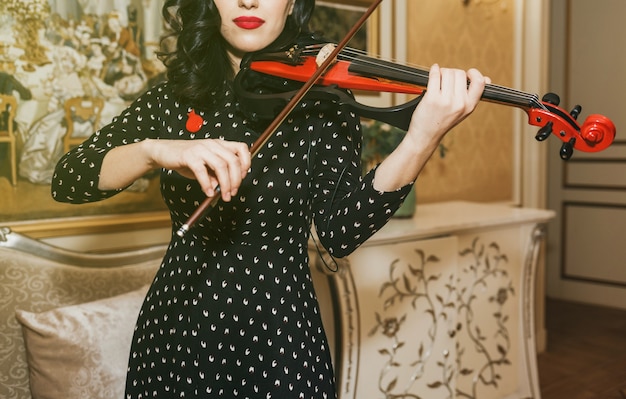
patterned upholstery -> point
(33, 282)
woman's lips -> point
(248, 22)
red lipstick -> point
(248, 22)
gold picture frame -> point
(360, 3)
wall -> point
(479, 163)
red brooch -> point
(194, 122)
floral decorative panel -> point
(441, 318)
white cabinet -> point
(437, 306)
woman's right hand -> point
(211, 162)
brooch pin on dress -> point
(194, 122)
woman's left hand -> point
(451, 95)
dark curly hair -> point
(198, 64)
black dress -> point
(232, 311)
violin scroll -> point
(595, 134)
(597, 129)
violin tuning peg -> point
(544, 132)
(576, 111)
(552, 98)
(567, 149)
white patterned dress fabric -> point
(232, 311)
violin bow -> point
(210, 202)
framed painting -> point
(52, 51)
(334, 18)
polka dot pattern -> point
(232, 311)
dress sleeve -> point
(76, 175)
(347, 208)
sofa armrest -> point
(21, 243)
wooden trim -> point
(532, 67)
(567, 184)
(359, 3)
(85, 225)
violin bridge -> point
(324, 53)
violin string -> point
(423, 73)
(497, 91)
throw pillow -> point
(81, 351)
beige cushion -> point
(81, 351)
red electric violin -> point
(354, 70)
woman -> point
(232, 311)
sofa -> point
(66, 318)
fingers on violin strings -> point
(434, 79)
(457, 81)
(477, 83)
(449, 82)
